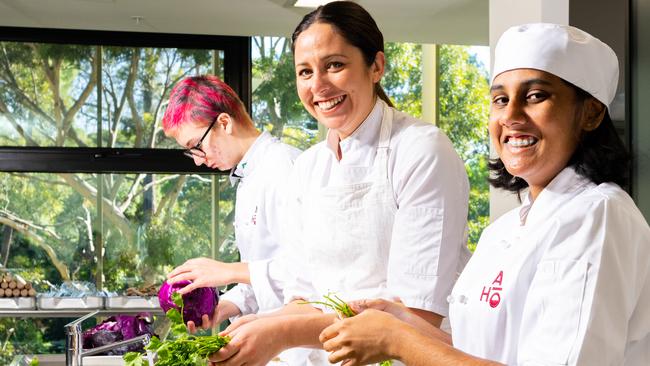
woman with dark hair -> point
(565, 278)
(599, 156)
(380, 205)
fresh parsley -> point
(343, 310)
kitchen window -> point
(90, 188)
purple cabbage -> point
(118, 328)
(195, 303)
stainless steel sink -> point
(59, 360)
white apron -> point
(348, 231)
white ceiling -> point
(421, 21)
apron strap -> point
(381, 160)
(386, 127)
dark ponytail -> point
(354, 24)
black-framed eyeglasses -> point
(196, 151)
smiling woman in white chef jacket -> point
(206, 117)
(565, 278)
(381, 204)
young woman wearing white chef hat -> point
(565, 278)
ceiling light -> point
(311, 3)
(138, 19)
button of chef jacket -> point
(450, 299)
(462, 299)
(505, 244)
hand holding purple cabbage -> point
(195, 303)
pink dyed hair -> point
(201, 97)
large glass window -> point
(276, 107)
(90, 188)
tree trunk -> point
(7, 235)
(112, 213)
(148, 204)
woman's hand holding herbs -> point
(403, 313)
(253, 341)
(362, 339)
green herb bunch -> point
(184, 350)
(343, 310)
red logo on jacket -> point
(254, 218)
(492, 294)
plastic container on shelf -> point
(17, 303)
(70, 303)
(132, 302)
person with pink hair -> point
(207, 118)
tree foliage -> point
(463, 112)
(276, 106)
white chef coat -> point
(259, 208)
(426, 245)
(563, 280)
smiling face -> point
(220, 147)
(535, 124)
(334, 83)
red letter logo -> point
(491, 294)
(499, 279)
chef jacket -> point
(429, 193)
(259, 208)
(563, 280)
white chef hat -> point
(564, 51)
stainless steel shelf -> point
(73, 313)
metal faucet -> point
(74, 351)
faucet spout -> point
(74, 342)
(144, 339)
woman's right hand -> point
(403, 313)
(206, 272)
(362, 339)
(254, 341)
(224, 310)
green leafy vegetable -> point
(34, 361)
(184, 350)
(133, 359)
(335, 303)
(343, 310)
(175, 316)
(177, 299)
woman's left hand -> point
(254, 341)
(362, 339)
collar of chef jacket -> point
(555, 194)
(248, 161)
(364, 137)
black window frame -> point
(237, 73)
